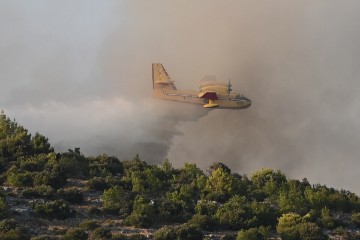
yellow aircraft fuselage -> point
(209, 96)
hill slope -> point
(49, 195)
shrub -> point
(116, 199)
(310, 231)
(41, 238)
(42, 191)
(101, 233)
(20, 179)
(250, 234)
(165, 233)
(75, 234)
(56, 209)
(10, 230)
(95, 211)
(355, 219)
(138, 220)
(203, 222)
(97, 184)
(74, 163)
(137, 237)
(184, 231)
(72, 195)
(89, 224)
(3, 208)
(189, 232)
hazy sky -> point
(79, 72)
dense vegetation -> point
(185, 203)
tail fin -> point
(160, 77)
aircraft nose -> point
(247, 102)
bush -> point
(89, 224)
(116, 199)
(56, 209)
(138, 220)
(74, 163)
(41, 238)
(137, 237)
(42, 191)
(250, 234)
(165, 233)
(20, 179)
(182, 232)
(203, 222)
(189, 232)
(75, 234)
(72, 195)
(104, 165)
(97, 184)
(53, 176)
(3, 208)
(10, 231)
(95, 211)
(119, 236)
(101, 234)
(355, 219)
(310, 231)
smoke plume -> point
(80, 73)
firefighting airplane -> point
(211, 95)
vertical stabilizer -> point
(161, 78)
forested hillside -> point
(49, 195)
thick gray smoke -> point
(80, 73)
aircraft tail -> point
(160, 77)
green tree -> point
(220, 186)
(143, 211)
(104, 165)
(116, 199)
(288, 226)
(33, 163)
(15, 141)
(40, 144)
(74, 163)
(203, 222)
(326, 220)
(268, 181)
(19, 178)
(291, 198)
(217, 165)
(53, 175)
(263, 214)
(233, 214)
(317, 197)
(172, 210)
(205, 207)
